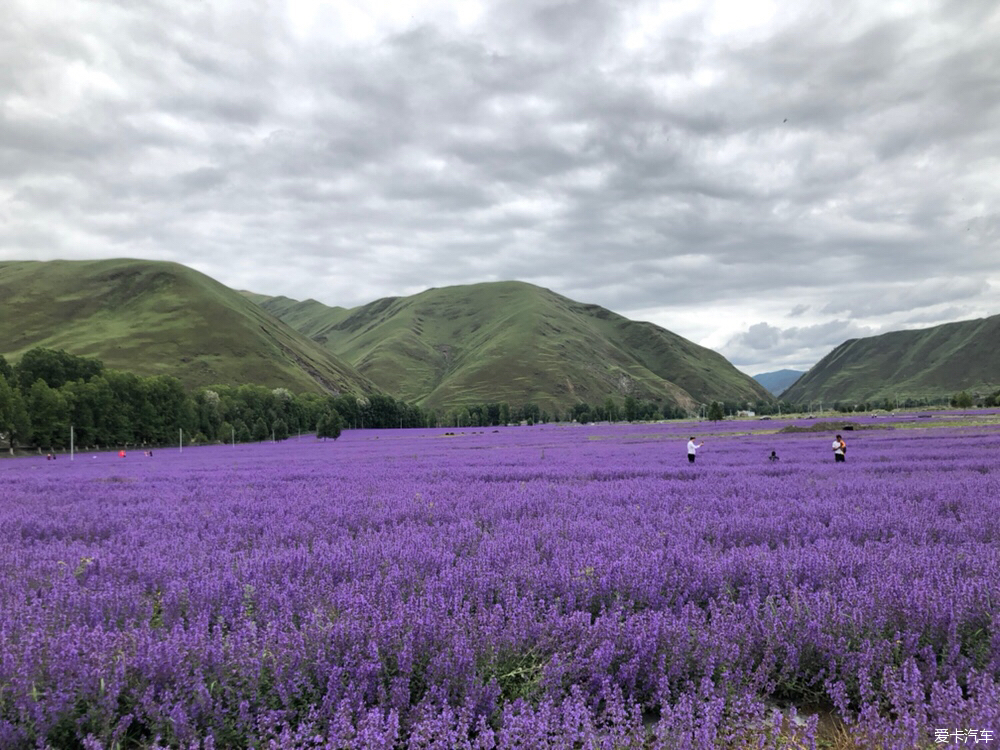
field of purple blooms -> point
(519, 587)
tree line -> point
(494, 414)
(959, 400)
(49, 390)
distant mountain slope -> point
(912, 364)
(157, 318)
(778, 381)
(511, 341)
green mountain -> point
(926, 363)
(156, 318)
(777, 382)
(514, 342)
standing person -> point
(773, 456)
(693, 449)
(839, 449)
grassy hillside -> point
(930, 362)
(511, 341)
(157, 318)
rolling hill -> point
(926, 363)
(156, 318)
(515, 342)
(779, 381)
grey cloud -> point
(838, 162)
(760, 336)
(873, 300)
(985, 229)
(797, 347)
(934, 317)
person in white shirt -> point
(693, 449)
(839, 449)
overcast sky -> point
(768, 179)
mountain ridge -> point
(920, 363)
(468, 343)
(778, 381)
(158, 317)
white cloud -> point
(763, 347)
(874, 299)
(830, 169)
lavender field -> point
(520, 587)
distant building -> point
(746, 413)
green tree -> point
(348, 407)
(15, 426)
(381, 411)
(242, 431)
(962, 400)
(252, 403)
(260, 432)
(121, 424)
(716, 411)
(611, 409)
(477, 415)
(531, 412)
(164, 409)
(208, 407)
(56, 367)
(49, 416)
(631, 408)
(651, 410)
(279, 429)
(414, 416)
(673, 411)
(330, 425)
(92, 408)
